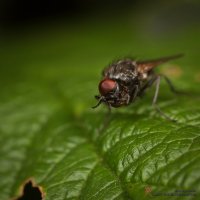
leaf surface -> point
(50, 133)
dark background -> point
(14, 13)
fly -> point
(125, 80)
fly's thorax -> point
(123, 70)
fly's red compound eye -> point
(106, 86)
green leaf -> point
(50, 133)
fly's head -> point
(109, 92)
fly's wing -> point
(145, 66)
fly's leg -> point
(154, 103)
(177, 92)
(109, 108)
(147, 85)
(133, 94)
(171, 86)
(107, 116)
(156, 79)
(106, 119)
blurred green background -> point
(52, 54)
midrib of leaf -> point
(102, 160)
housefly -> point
(125, 80)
